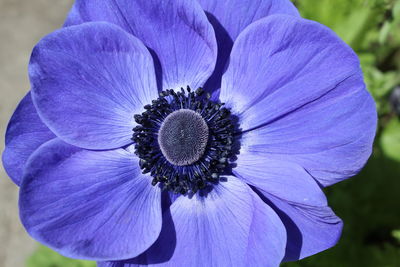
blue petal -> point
(235, 15)
(285, 180)
(231, 226)
(88, 81)
(230, 17)
(299, 93)
(89, 204)
(299, 201)
(178, 32)
(310, 229)
(118, 264)
(25, 133)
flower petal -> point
(231, 226)
(25, 133)
(89, 81)
(89, 204)
(332, 141)
(117, 264)
(297, 198)
(299, 94)
(235, 15)
(285, 180)
(230, 17)
(287, 57)
(178, 32)
(310, 229)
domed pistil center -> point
(184, 140)
(183, 137)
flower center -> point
(183, 137)
(184, 140)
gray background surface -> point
(22, 24)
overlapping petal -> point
(89, 81)
(235, 15)
(231, 226)
(89, 204)
(178, 32)
(283, 54)
(311, 225)
(229, 18)
(285, 180)
(300, 97)
(310, 229)
(117, 264)
(25, 133)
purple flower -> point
(227, 175)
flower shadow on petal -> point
(160, 251)
(157, 68)
(163, 249)
(225, 44)
(294, 236)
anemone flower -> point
(188, 133)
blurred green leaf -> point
(396, 10)
(382, 82)
(384, 33)
(390, 140)
(352, 20)
(396, 235)
(45, 257)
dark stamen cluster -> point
(207, 169)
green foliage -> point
(390, 139)
(368, 203)
(396, 235)
(45, 257)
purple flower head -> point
(188, 133)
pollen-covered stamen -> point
(183, 137)
(184, 140)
